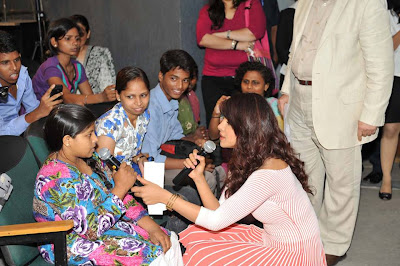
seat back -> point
(35, 136)
(18, 161)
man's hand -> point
(365, 130)
(284, 99)
(47, 103)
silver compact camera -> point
(3, 94)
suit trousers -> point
(334, 175)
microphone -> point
(105, 155)
(208, 147)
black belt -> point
(305, 82)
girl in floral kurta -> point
(106, 230)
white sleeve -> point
(254, 192)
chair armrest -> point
(36, 228)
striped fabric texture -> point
(290, 233)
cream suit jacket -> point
(352, 74)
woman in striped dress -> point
(265, 179)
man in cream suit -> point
(338, 83)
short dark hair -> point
(177, 59)
(7, 43)
(130, 73)
(57, 30)
(264, 71)
(81, 20)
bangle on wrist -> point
(234, 48)
(171, 202)
(216, 117)
(234, 44)
(228, 33)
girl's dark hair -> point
(57, 30)
(258, 134)
(216, 12)
(66, 119)
(70, 119)
(81, 20)
(264, 71)
(130, 73)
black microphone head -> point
(104, 154)
(209, 146)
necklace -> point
(65, 159)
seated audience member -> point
(121, 130)
(251, 77)
(110, 226)
(17, 92)
(63, 40)
(266, 180)
(189, 107)
(176, 70)
(96, 60)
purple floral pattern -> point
(131, 245)
(83, 247)
(126, 227)
(105, 222)
(84, 191)
(102, 234)
(78, 215)
(40, 183)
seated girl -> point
(265, 179)
(110, 226)
(251, 77)
(121, 130)
(96, 60)
(63, 40)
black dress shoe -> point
(385, 196)
(333, 260)
(373, 177)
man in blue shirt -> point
(20, 93)
(176, 68)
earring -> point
(55, 45)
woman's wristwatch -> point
(234, 44)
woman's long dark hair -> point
(259, 136)
(70, 119)
(216, 12)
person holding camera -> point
(16, 91)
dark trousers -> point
(213, 88)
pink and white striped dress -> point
(290, 233)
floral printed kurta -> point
(105, 228)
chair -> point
(35, 137)
(19, 233)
